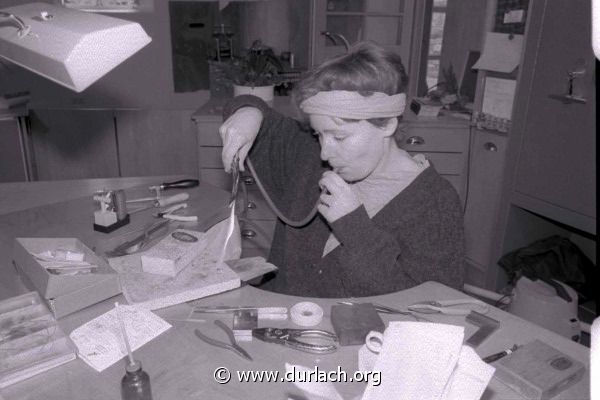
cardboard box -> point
(64, 294)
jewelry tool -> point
(138, 243)
(163, 202)
(497, 356)
(382, 309)
(168, 213)
(289, 338)
(232, 200)
(182, 184)
(233, 346)
(442, 307)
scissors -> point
(289, 338)
(233, 346)
(443, 307)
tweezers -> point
(235, 175)
(380, 308)
(233, 346)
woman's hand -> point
(337, 197)
(238, 133)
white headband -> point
(353, 105)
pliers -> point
(167, 213)
(288, 337)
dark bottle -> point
(135, 385)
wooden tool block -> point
(538, 371)
(352, 323)
(174, 252)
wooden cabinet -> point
(444, 141)
(72, 144)
(156, 142)
(550, 174)
(103, 143)
(488, 156)
(387, 22)
(13, 156)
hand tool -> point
(168, 213)
(160, 201)
(442, 306)
(382, 309)
(182, 184)
(486, 325)
(163, 202)
(230, 309)
(233, 346)
(289, 338)
(235, 177)
(497, 356)
(138, 243)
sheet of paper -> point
(498, 97)
(500, 53)
(100, 342)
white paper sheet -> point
(100, 342)
(500, 53)
(498, 97)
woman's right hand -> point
(238, 133)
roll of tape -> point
(306, 314)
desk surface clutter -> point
(181, 366)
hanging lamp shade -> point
(72, 48)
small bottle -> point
(135, 385)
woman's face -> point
(352, 149)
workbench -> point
(181, 366)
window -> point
(436, 36)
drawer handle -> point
(248, 180)
(415, 140)
(248, 233)
(489, 146)
(251, 205)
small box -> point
(538, 371)
(352, 323)
(174, 252)
(64, 294)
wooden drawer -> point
(210, 157)
(257, 233)
(208, 133)
(445, 163)
(421, 139)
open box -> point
(65, 294)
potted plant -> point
(257, 72)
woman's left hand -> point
(337, 197)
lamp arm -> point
(23, 27)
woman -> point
(386, 221)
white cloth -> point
(353, 105)
(418, 360)
(397, 171)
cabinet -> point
(444, 141)
(549, 186)
(387, 22)
(488, 156)
(104, 142)
(14, 162)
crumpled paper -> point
(417, 360)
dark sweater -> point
(416, 237)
